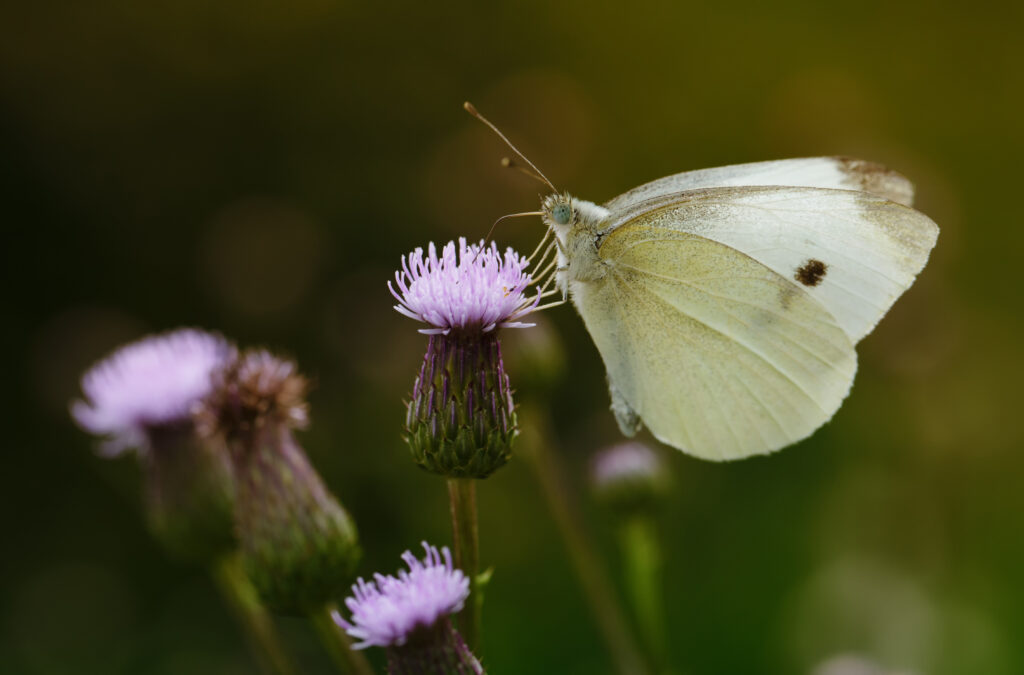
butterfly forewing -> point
(837, 173)
(853, 252)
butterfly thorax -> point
(576, 224)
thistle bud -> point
(461, 420)
(142, 397)
(409, 616)
(298, 544)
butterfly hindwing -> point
(719, 355)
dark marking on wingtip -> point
(876, 179)
(811, 273)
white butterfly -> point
(726, 302)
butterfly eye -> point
(561, 213)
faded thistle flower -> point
(409, 616)
(461, 420)
(629, 477)
(298, 544)
(142, 397)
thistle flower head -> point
(461, 420)
(153, 382)
(298, 544)
(468, 287)
(144, 395)
(388, 610)
(629, 476)
(252, 390)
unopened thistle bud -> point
(409, 616)
(629, 477)
(461, 420)
(298, 544)
(143, 396)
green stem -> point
(462, 499)
(641, 555)
(597, 587)
(254, 619)
(338, 644)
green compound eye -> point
(561, 214)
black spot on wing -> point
(811, 272)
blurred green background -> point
(258, 168)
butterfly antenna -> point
(491, 231)
(475, 113)
(510, 163)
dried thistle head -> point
(255, 389)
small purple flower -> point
(468, 287)
(153, 382)
(625, 462)
(629, 477)
(387, 610)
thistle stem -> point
(641, 555)
(253, 618)
(462, 499)
(592, 575)
(338, 644)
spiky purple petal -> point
(388, 609)
(468, 286)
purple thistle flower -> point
(461, 420)
(154, 382)
(144, 396)
(409, 616)
(388, 610)
(471, 287)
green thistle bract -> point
(461, 420)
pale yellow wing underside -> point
(719, 355)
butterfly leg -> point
(562, 270)
(562, 281)
(628, 419)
